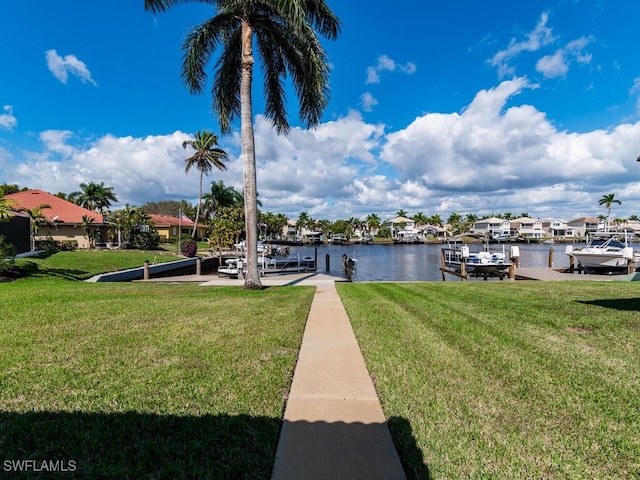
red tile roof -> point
(61, 211)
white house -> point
(494, 227)
(528, 228)
(404, 230)
(554, 228)
(583, 225)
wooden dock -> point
(550, 274)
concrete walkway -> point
(334, 427)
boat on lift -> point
(606, 252)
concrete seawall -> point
(159, 269)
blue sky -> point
(436, 107)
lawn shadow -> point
(323, 449)
(32, 269)
(138, 445)
(408, 450)
(627, 304)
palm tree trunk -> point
(195, 226)
(252, 279)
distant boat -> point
(605, 253)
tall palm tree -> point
(373, 223)
(94, 197)
(286, 35)
(401, 213)
(305, 222)
(204, 159)
(607, 201)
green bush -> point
(57, 245)
(7, 254)
(144, 241)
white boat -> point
(607, 252)
(232, 267)
(273, 257)
(481, 262)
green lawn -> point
(505, 380)
(145, 380)
(83, 264)
(497, 380)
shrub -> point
(7, 254)
(144, 241)
(188, 246)
(59, 245)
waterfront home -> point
(493, 227)
(169, 227)
(64, 219)
(403, 230)
(527, 228)
(557, 229)
(433, 231)
(584, 225)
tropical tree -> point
(125, 221)
(227, 227)
(353, 224)
(93, 196)
(373, 223)
(304, 222)
(5, 206)
(220, 196)
(436, 220)
(420, 219)
(401, 213)
(275, 224)
(608, 201)
(206, 157)
(38, 218)
(286, 34)
(10, 188)
(90, 228)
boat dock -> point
(550, 274)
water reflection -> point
(419, 262)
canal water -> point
(418, 262)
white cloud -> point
(7, 120)
(386, 64)
(557, 65)
(553, 65)
(490, 148)
(56, 141)
(493, 156)
(368, 101)
(61, 67)
(534, 41)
